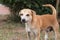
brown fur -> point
(42, 22)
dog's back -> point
(49, 19)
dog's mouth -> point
(23, 21)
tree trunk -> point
(57, 6)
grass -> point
(10, 31)
(14, 31)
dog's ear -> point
(33, 12)
(33, 15)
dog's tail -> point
(53, 9)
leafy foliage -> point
(36, 5)
(17, 5)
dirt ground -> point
(15, 31)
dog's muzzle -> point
(23, 21)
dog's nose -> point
(23, 20)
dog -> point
(35, 23)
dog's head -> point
(27, 15)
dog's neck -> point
(28, 23)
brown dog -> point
(35, 23)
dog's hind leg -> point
(46, 36)
(56, 31)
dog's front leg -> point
(37, 35)
(28, 33)
(28, 36)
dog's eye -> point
(21, 14)
(27, 15)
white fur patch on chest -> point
(28, 27)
